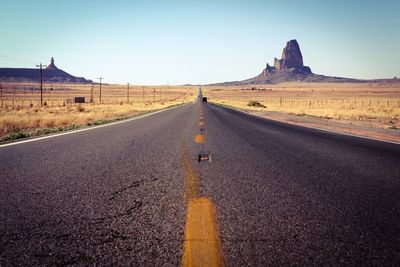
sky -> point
(198, 42)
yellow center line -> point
(200, 138)
(202, 245)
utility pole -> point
(167, 88)
(143, 94)
(154, 96)
(41, 66)
(100, 78)
(127, 95)
(91, 95)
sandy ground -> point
(360, 128)
(22, 116)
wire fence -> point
(312, 102)
(28, 95)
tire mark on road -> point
(119, 191)
(129, 211)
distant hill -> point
(291, 68)
(50, 74)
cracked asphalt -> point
(284, 195)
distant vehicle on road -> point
(204, 99)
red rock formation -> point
(292, 61)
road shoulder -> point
(82, 128)
(362, 129)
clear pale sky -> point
(177, 42)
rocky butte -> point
(292, 61)
(51, 66)
(291, 68)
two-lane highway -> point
(283, 194)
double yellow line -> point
(202, 245)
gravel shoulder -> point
(364, 128)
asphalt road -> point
(283, 194)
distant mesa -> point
(50, 74)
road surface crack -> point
(119, 191)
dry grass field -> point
(376, 103)
(21, 114)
